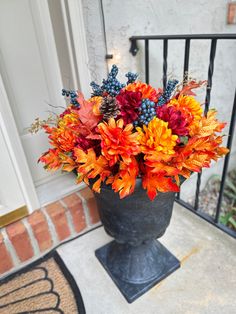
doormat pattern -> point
(46, 286)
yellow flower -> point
(189, 107)
(96, 101)
(156, 137)
(70, 119)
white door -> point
(29, 84)
(10, 198)
(32, 76)
(17, 192)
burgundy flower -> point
(176, 120)
(85, 144)
(129, 103)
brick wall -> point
(47, 227)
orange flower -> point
(146, 90)
(63, 138)
(190, 108)
(157, 138)
(96, 101)
(202, 147)
(118, 143)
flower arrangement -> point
(131, 130)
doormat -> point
(45, 286)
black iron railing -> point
(214, 38)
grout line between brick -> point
(51, 227)
(86, 210)
(33, 241)
(10, 247)
(69, 219)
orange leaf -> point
(185, 173)
(110, 180)
(187, 89)
(162, 168)
(155, 183)
(197, 161)
(124, 181)
(97, 186)
(86, 115)
(207, 125)
(51, 159)
(92, 166)
(68, 164)
(80, 155)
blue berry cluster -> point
(97, 90)
(131, 77)
(73, 96)
(147, 112)
(167, 94)
(111, 85)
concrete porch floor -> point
(205, 283)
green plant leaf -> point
(224, 219)
(232, 221)
(230, 184)
(183, 139)
(230, 194)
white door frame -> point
(72, 11)
(12, 139)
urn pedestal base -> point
(135, 270)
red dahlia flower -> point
(176, 120)
(85, 144)
(129, 103)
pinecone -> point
(109, 108)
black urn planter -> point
(135, 260)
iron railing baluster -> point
(210, 74)
(226, 162)
(207, 104)
(147, 61)
(185, 74)
(186, 59)
(165, 54)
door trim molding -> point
(16, 151)
(76, 37)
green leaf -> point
(230, 184)
(183, 139)
(224, 219)
(233, 222)
(233, 209)
(230, 194)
